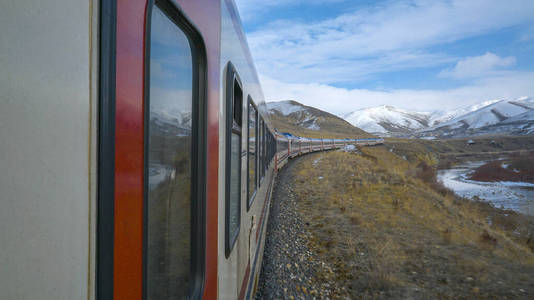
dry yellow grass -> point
(386, 225)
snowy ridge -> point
(445, 116)
(386, 119)
(498, 116)
(488, 115)
(292, 116)
(171, 122)
(527, 116)
(284, 107)
(303, 117)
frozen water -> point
(518, 196)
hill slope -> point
(388, 120)
(498, 117)
(298, 119)
(493, 117)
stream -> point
(517, 196)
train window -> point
(270, 139)
(281, 146)
(264, 150)
(262, 140)
(234, 108)
(252, 127)
(174, 157)
(169, 160)
(260, 145)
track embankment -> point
(377, 226)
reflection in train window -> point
(168, 254)
(262, 146)
(234, 123)
(264, 149)
(252, 119)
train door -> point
(173, 159)
(152, 194)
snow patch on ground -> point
(284, 107)
(518, 196)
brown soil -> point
(518, 168)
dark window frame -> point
(106, 151)
(252, 197)
(198, 145)
(260, 150)
(232, 127)
(264, 150)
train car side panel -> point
(47, 113)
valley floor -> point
(376, 225)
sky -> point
(343, 55)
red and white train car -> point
(136, 151)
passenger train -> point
(137, 154)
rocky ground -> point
(289, 266)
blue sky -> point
(342, 55)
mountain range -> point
(501, 116)
(298, 119)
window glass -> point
(169, 161)
(264, 150)
(251, 150)
(234, 125)
(281, 146)
(260, 146)
(235, 190)
(262, 142)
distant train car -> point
(137, 154)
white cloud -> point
(302, 60)
(170, 100)
(249, 9)
(393, 36)
(478, 66)
(340, 100)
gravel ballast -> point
(289, 267)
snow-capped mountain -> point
(291, 116)
(489, 117)
(172, 122)
(387, 120)
(497, 116)
(285, 107)
(439, 117)
(302, 116)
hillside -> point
(492, 117)
(388, 120)
(498, 117)
(373, 225)
(298, 119)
